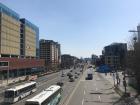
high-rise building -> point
(9, 32)
(29, 39)
(50, 51)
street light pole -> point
(135, 38)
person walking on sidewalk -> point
(118, 79)
(113, 76)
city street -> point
(92, 92)
(45, 81)
(98, 91)
(96, 43)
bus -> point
(16, 93)
(49, 96)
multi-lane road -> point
(98, 91)
(93, 92)
(45, 81)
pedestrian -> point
(117, 77)
(119, 81)
(113, 75)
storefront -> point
(16, 67)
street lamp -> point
(135, 38)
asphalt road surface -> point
(98, 91)
(92, 92)
(46, 81)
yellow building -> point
(9, 32)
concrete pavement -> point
(120, 88)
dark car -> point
(68, 73)
(76, 76)
(62, 75)
(60, 83)
(71, 70)
(78, 73)
(72, 79)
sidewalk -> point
(3, 83)
(12, 81)
(120, 88)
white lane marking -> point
(96, 89)
(99, 98)
(82, 101)
(84, 92)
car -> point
(60, 83)
(71, 79)
(71, 70)
(68, 73)
(62, 75)
(81, 70)
(76, 76)
(70, 76)
(78, 73)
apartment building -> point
(50, 52)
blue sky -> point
(82, 27)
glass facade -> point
(9, 12)
(9, 32)
(30, 35)
(18, 37)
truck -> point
(89, 74)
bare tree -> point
(133, 59)
(132, 41)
